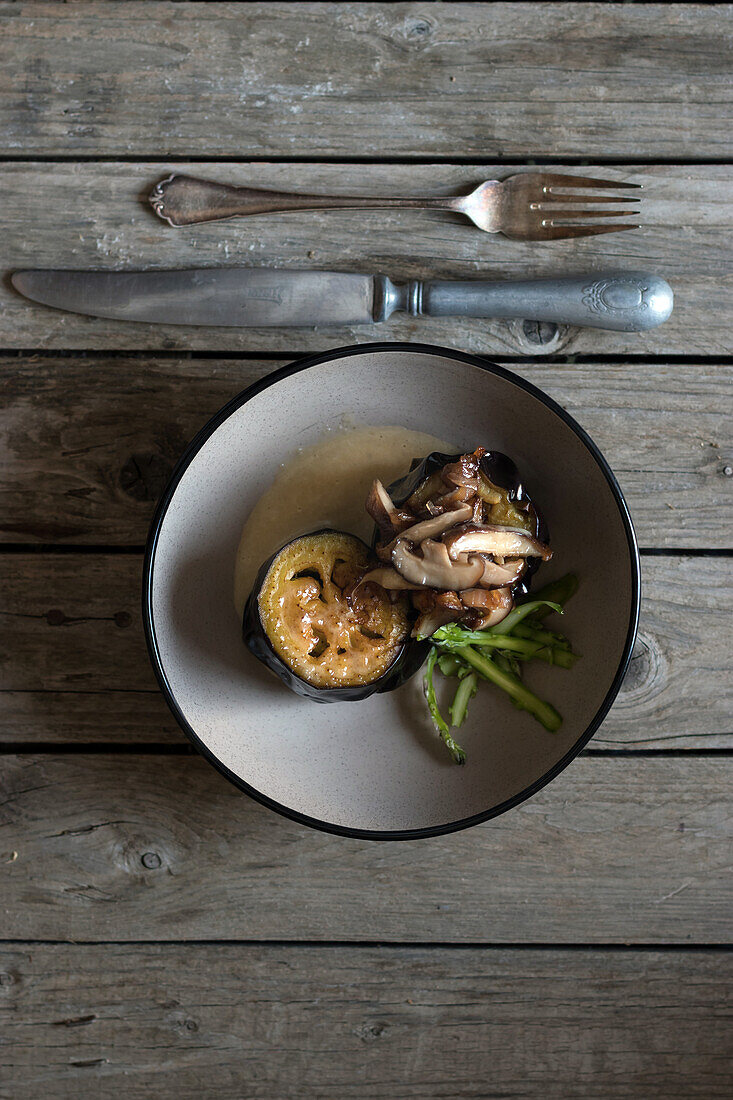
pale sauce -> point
(325, 486)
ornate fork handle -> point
(186, 200)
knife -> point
(630, 301)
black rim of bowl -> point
(295, 368)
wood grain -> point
(89, 443)
(76, 668)
(367, 1023)
(145, 847)
(366, 79)
(94, 215)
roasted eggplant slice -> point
(324, 634)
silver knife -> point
(630, 301)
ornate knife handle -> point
(629, 301)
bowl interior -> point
(376, 765)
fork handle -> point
(629, 301)
(186, 200)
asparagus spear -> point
(453, 637)
(546, 637)
(439, 721)
(466, 691)
(559, 591)
(462, 653)
(543, 712)
(521, 612)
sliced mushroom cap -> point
(492, 539)
(380, 506)
(428, 528)
(462, 473)
(498, 576)
(436, 609)
(490, 606)
(434, 569)
(388, 578)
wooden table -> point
(164, 936)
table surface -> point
(164, 935)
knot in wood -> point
(539, 332)
(418, 28)
(369, 1032)
(645, 674)
(151, 861)
(414, 33)
(539, 337)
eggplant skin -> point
(501, 471)
(406, 663)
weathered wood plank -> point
(96, 215)
(77, 670)
(145, 847)
(89, 443)
(385, 1024)
(366, 79)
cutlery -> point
(529, 206)
(630, 301)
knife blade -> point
(264, 297)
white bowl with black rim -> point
(375, 768)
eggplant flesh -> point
(327, 637)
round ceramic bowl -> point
(376, 768)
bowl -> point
(375, 768)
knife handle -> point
(186, 200)
(630, 301)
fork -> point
(529, 206)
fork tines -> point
(564, 221)
(555, 179)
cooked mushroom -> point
(492, 606)
(490, 539)
(389, 519)
(498, 576)
(388, 578)
(428, 529)
(463, 473)
(435, 569)
(436, 609)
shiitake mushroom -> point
(501, 487)
(327, 637)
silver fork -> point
(529, 206)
